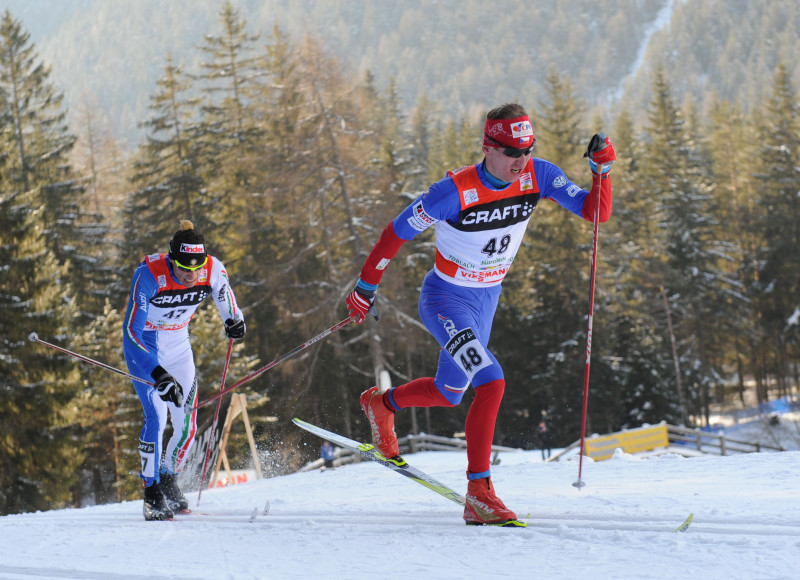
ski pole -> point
(276, 362)
(33, 337)
(595, 231)
(212, 439)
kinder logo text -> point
(193, 248)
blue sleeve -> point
(440, 202)
(554, 185)
(143, 288)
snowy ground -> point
(364, 521)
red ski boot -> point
(483, 507)
(381, 422)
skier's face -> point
(185, 277)
(504, 167)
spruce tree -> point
(639, 388)
(168, 166)
(684, 274)
(106, 417)
(231, 128)
(39, 459)
(37, 150)
(778, 184)
(230, 79)
(734, 146)
(239, 163)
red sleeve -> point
(382, 253)
(605, 199)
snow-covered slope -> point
(363, 521)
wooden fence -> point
(410, 444)
(682, 440)
(712, 443)
(690, 442)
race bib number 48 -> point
(468, 352)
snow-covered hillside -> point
(363, 521)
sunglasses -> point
(513, 152)
(183, 268)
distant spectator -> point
(327, 454)
(545, 438)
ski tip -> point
(266, 508)
(685, 525)
(511, 524)
(501, 524)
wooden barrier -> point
(237, 407)
(631, 441)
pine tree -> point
(54, 250)
(231, 128)
(168, 166)
(230, 80)
(39, 460)
(683, 271)
(105, 417)
(734, 146)
(421, 134)
(37, 150)
(242, 162)
(778, 183)
(634, 353)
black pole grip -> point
(596, 143)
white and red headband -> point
(516, 133)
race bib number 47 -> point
(468, 352)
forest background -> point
(292, 132)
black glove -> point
(169, 390)
(235, 329)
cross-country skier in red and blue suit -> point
(480, 213)
(165, 292)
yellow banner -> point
(633, 441)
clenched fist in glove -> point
(601, 153)
(235, 329)
(360, 302)
(168, 389)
